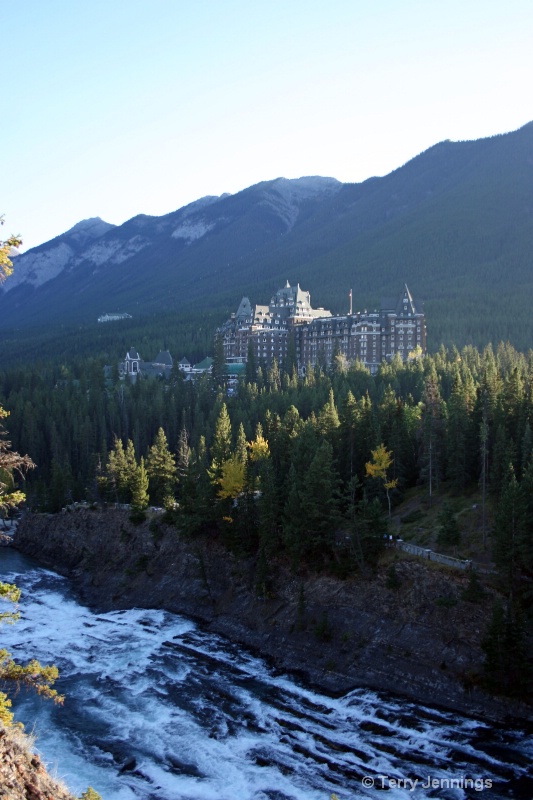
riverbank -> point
(23, 776)
(420, 638)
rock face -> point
(23, 775)
(419, 639)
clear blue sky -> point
(117, 107)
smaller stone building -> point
(133, 365)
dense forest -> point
(308, 469)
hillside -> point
(455, 223)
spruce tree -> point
(221, 445)
(139, 494)
(183, 456)
(508, 532)
(319, 501)
(241, 450)
(161, 470)
(449, 534)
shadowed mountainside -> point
(455, 223)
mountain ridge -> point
(455, 223)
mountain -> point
(455, 223)
(46, 261)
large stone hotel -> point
(317, 335)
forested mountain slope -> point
(455, 223)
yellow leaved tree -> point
(6, 267)
(377, 468)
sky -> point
(113, 108)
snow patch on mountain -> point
(36, 268)
(114, 251)
(190, 230)
(285, 196)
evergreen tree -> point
(139, 490)
(161, 471)
(319, 501)
(328, 418)
(293, 521)
(525, 539)
(221, 444)
(507, 668)
(218, 369)
(268, 510)
(459, 438)
(368, 530)
(118, 473)
(508, 532)
(449, 534)
(432, 433)
(184, 451)
(241, 450)
(274, 377)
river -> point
(157, 709)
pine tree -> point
(328, 418)
(319, 501)
(218, 369)
(507, 668)
(161, 470)
(118, 473)
(184, 451)
(292, 517)
(458, 436)
(139, 494)
(221, 444)
(368, 530)
(508, 531)
(241, 450)
(274, 377)
(432, 434)
(449, 534)
(268, 509)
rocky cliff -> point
(23, 775)
(419, 639)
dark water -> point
(157, 709)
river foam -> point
(160, 710)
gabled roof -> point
(245, 309)
(206, 364)
(163, 357)
(405, 302)
(132, 354)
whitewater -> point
(157, 709)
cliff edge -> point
(419, 638)
(23, 775)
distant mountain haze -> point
(455, 224)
